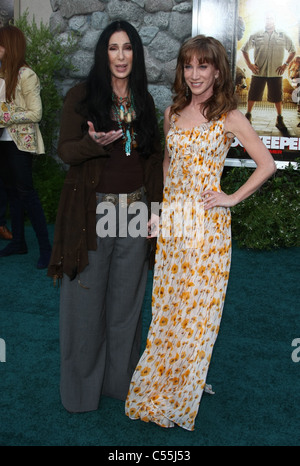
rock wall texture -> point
(162, 24)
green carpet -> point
(257, 384)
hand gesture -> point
(103, 138)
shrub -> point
(270, 217)
(48, 180)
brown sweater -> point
(75, 228)
(122, 174)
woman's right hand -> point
(153, 226)
(103, 138)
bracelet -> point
(286, 64)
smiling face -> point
(120, 55)
(200, 78)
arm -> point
(238, 125)
(290, 48)
(152, 165)
(281, 69)
(29, 85)
(250, 65)
(166, 161)
(154, 183)
(74, 145)
(153, 224)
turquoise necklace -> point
(124, 114)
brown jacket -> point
(75, 228)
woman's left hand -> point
(104, 139)
(217, 199)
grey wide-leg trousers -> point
(100, 323)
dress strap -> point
(173, 120)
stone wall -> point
(162, 24)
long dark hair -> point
(207, 50)
(97, 104)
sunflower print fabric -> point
(189, 284)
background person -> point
(269, 47)
(4, 231)
(20, 113)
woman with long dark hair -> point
(194, 244)
(20, 113)
(109, 136)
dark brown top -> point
(75, 227)
(122, 173)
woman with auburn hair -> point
(194, 243)
(20, 113)
(223, 98)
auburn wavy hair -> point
(207, 50)
(14, 43)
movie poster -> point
(268, 73)
(264, 51)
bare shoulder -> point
(236, 122)
(235, 116)
(167, 120)
(167, 112)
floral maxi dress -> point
(189, 284)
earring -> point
(187, 90)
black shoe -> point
(13, 248)
(44, 259)
(280, 124)
(249, 117)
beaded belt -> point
(124, 199)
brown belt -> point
(124, 199)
